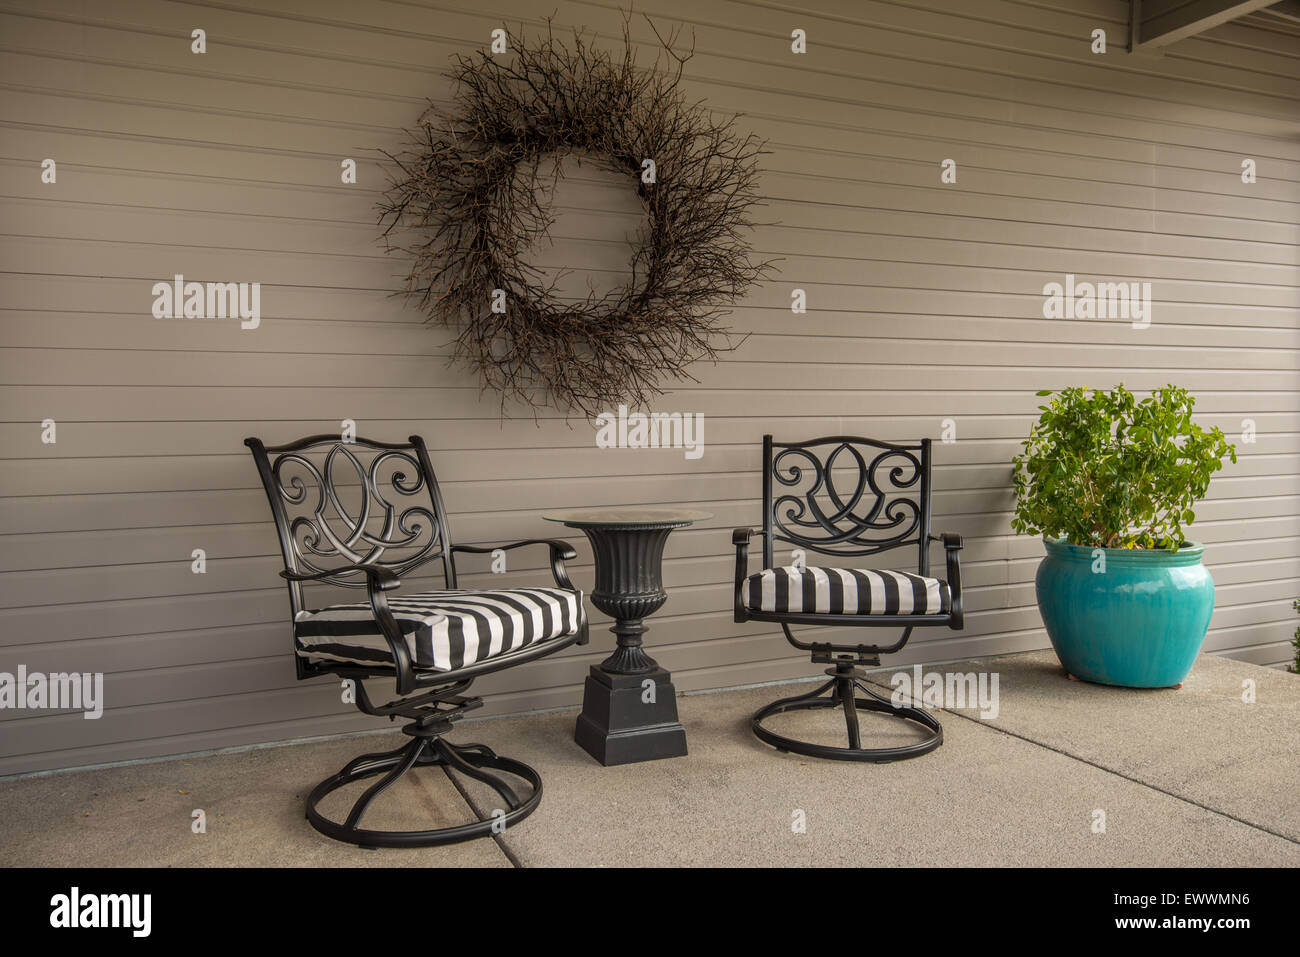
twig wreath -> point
(465, 205)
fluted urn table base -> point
(629, 704)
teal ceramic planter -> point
(1138, 624)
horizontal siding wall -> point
(925, 304)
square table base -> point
(617, 726)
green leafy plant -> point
(1102, 469)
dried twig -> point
(466, 204)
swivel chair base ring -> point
(843, 688)
(424, 751)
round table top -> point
(644, 517)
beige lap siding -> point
(924, 303)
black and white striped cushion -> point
(845, 591)
(444, 630)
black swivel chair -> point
(366, 514)
(847, 497)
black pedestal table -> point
(629, 705)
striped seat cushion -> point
(444, 630)
(845, 591)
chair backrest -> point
(362, 502)
(846, 496)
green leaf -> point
(1104, 467)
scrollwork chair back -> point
(341, 503)
(846, 496)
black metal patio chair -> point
(366, 514)
(848, 497)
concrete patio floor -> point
(1192, 777)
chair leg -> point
(425, 749)
(381, 759)
(464, 765)
(844, 687)
(844, 690)
(411, 753)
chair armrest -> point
(560, 552)
(378, 580)
(564, 548)
(740, 538)
(382, 578)
(952, 544)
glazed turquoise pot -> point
(1139, 623)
